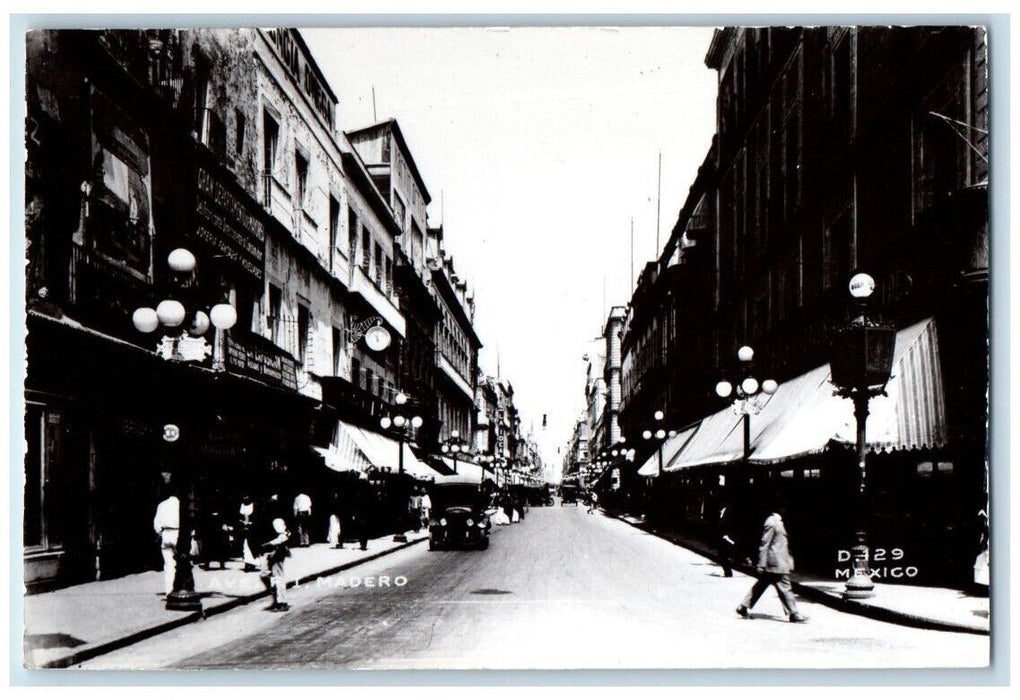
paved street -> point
(563, 589)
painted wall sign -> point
(265, 365)
(229, 223)
(120, 224)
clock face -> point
(377, 338)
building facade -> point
(837, 150)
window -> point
(398, 210)
(387, 285)
(334, 229)
(378, 270)
(366, 252)
(275, 312)
(216, 135)
(270, 142)
(301, 178)
(337, 351)
(201, 98)
(352, 236)
(303, 326)
(355, 371)
(240, 122)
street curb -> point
(100, 648)
(852, 607)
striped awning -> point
(343, 453)
(384, 453)
(670, 451)
(804, 415)
(466, 471)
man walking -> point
(167, 527)
(774, 567)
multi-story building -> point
(138, 143)
(390, 163)
(456, 342)
(837, 149)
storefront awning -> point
(670, 450)
(466, 471)
(804, 415)
(384, 453)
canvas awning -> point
(670, 450)
(804, 415)
(383, 452)
(343, 454)
(466, 471)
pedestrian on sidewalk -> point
(593, 502)
(774, 567)
(426, 508)
(274, 539)
(167, 527)
(334, 534)
(725, 541)
(303, 518)
(247, 523)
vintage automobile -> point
(568, 494)
(459, 518)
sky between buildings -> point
(538, 146)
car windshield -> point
(464, 495)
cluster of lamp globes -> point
(171, 313)
(456, 446)
(400, 421)
(749, 386)
(659, 434)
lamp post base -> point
(188, 601)
(859, 585)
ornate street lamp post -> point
(747, 391)
(402, 426)
(184, 346)
(659, 434)
(453, 446)
(862, 356)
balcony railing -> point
(152, 56)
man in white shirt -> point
(303, 517)
(167, 526)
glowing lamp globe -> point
(672, 433)
(200, 324)
(416, 422)
(861, 285)
(455, 448)
(659, 415)
(400, 399)
(745, 354)
(181, 260)
(445, 448)
(454, 434)
(223, 316)
(145, 319)
(770, 386)
(723, 389)
(616, 453)
(385, 422)
(399, 421)
(170, 313)
(660, 434)
(749, 385)
(622, 440)
(647, 435)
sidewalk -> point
(69, 625)
(943, 609)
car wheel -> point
(432, 546)
(484, 544)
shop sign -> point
(171, 433)
(229, 223)
(262, 364)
